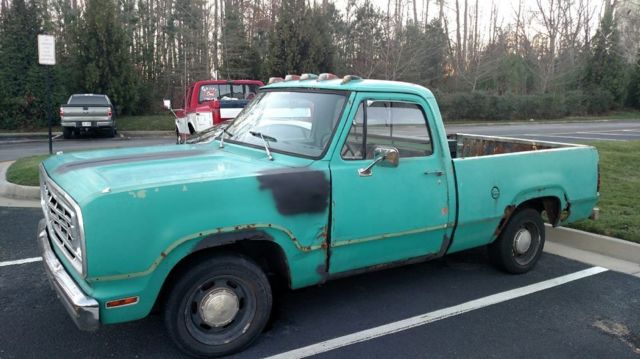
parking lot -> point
(458, 306)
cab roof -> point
(354, 85)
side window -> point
(353, 148)
(387, 123)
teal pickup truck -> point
(317, 178)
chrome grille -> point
(62, 222)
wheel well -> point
(268, 255)
(549, 205)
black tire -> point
(509, 252)
(229, 274)
(111, 132)
(67, 132)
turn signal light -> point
(121, 302)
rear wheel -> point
(520, 244)
(67, 132)
(218, 307)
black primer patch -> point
(219, 239)
(125, 159)
(297, 191)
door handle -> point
(437, 173)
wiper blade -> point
(265, 139)
(224, 130)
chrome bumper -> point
(83, 309)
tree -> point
(633, 91)
(239, 59)
(103, 56)
(22, 92)
(605, 68)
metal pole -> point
(48, 106)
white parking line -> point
(610, 134)
(573, 137)
(431, 317)
(20, 261)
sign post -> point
(47, 57)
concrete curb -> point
(14, 191)
(596, 243)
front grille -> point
(62, 222)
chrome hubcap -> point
(522, 241)
(219, 307)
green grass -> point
(25, 170)
(620, 192)
(162, 122)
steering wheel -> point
(348, 149)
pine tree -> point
(605, 68)
(23, 96)
(104, 58)
(239, 59)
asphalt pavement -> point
(597, 316)
(12, 148)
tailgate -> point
(231, 108)
(86, 111)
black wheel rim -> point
(211, 335)
(524, 258)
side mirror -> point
(167, 104)
(386, 156)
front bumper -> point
(84, 310)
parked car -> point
(211, 102)
(87, 112)
(318, 178)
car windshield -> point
(299, 123)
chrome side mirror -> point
(167, 104)
(384, 156)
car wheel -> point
(111, 132)
(67, 132)
(218, 307)
(521, 242)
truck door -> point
(388, 214)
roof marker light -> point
(291, 77)
(308, 77)
(273, 80)
(348, 78)
(327, 76)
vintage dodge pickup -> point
(317, 178)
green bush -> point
(480, 105)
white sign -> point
(46, 50)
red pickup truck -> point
(211, 102)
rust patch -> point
(508, 212)
(477, 147)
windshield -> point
(300, 123)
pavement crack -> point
(620, 331)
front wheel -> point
(218, 307)
(520, 244)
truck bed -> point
(463, 145)
(495, 173)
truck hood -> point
(84, 175)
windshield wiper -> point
(224, 130)
(265, 139)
